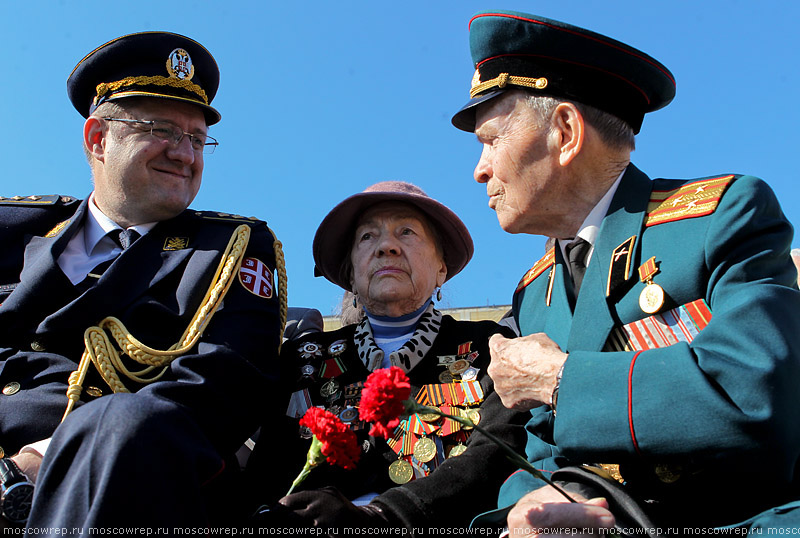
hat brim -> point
(211, 113)
(464, 119)
(334, 238)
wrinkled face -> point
(396, 262)
(519, 165)
(140, 178)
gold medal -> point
(446, 377)
(457, 450)
(473, 415)
(458, 366)
(425, 449)
(428, 417)
(652, 298)
(400, 471)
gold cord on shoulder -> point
(280, 267)
(106, 87)
(504, 79)
(100, 351)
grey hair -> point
(613, 131)
(107, 109)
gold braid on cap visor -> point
(106, 87)
(504, 79)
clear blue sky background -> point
(320, 99)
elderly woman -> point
(393, 247)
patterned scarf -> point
(409, 355)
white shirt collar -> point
(97, 225)
(591, 224)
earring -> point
(439, 294)
(355, 305)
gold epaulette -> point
(538, 268)
(691, 200)
(214, 215)
(49, 199)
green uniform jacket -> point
(707, 431)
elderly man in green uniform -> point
(661, 346)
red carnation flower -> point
(382, 399)
(337, 440)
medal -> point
(310, 350)
(307, 370)
(349, 414)
(425, 449)
(329, 388)
(457, 450)
(470, 374)
(400, 471)
(428, 417)
(473, 415)
(652, 297)
(446, 377)
(337, 348)
(458, 366)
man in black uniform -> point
(150, 328)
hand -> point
(524, 369)
(327, 508)
(29, 463)
(545, 511)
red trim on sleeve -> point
(630, 404)
(215, 475)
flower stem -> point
(515, 458)
(313, 459)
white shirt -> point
(591, 224)
(91, 245)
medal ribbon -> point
(420, 427)
(332, 368)
(647, 270)
(473, 392)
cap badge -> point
(179, 65)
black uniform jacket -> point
(154, 287)
(457, 489)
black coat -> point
(459, 488)
(154, 287)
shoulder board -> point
(695, 199)
(538, 268)
(226, 217)
(50, 199)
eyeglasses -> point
(169, 132)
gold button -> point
(94, 391)
(2, 452)
(37, 346)
(11, 388)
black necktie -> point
(123, 239)
(576, 257)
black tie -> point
(124, 239)
(576, 257)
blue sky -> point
(321, 99)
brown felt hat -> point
(334, 237)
